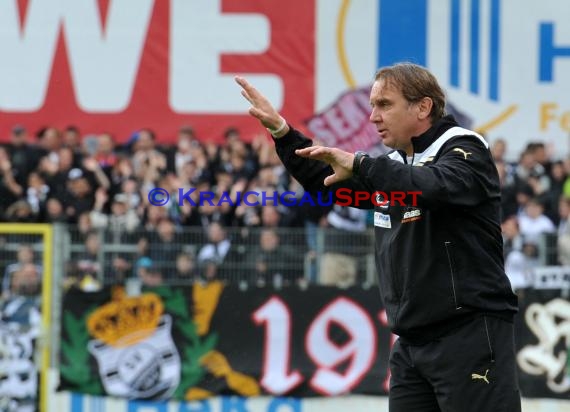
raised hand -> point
(91, 164)
(261, 108)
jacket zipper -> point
(451, 268)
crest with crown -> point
(126, 320)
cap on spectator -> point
(121, 198)
(144, 262)
(18, 129)
(75, 174)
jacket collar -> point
(426, 139)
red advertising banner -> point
(119, 66)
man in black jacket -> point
(438, 253)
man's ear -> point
(424, 108)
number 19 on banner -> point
(356, 355)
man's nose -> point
(375, 116)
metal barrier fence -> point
(249, 256)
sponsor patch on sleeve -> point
(382, 220)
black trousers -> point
(472, 369)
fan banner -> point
(196, 342)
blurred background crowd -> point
(98, 189)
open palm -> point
(339, 160)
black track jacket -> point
(439, 261)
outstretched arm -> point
(340, 161)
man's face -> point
(534, 210)
(26, 281)
(19, 138)
(145, 141)
(51, 139)
(105, 143)
(396, 120)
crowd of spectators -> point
(100, 189)
(535, 194)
